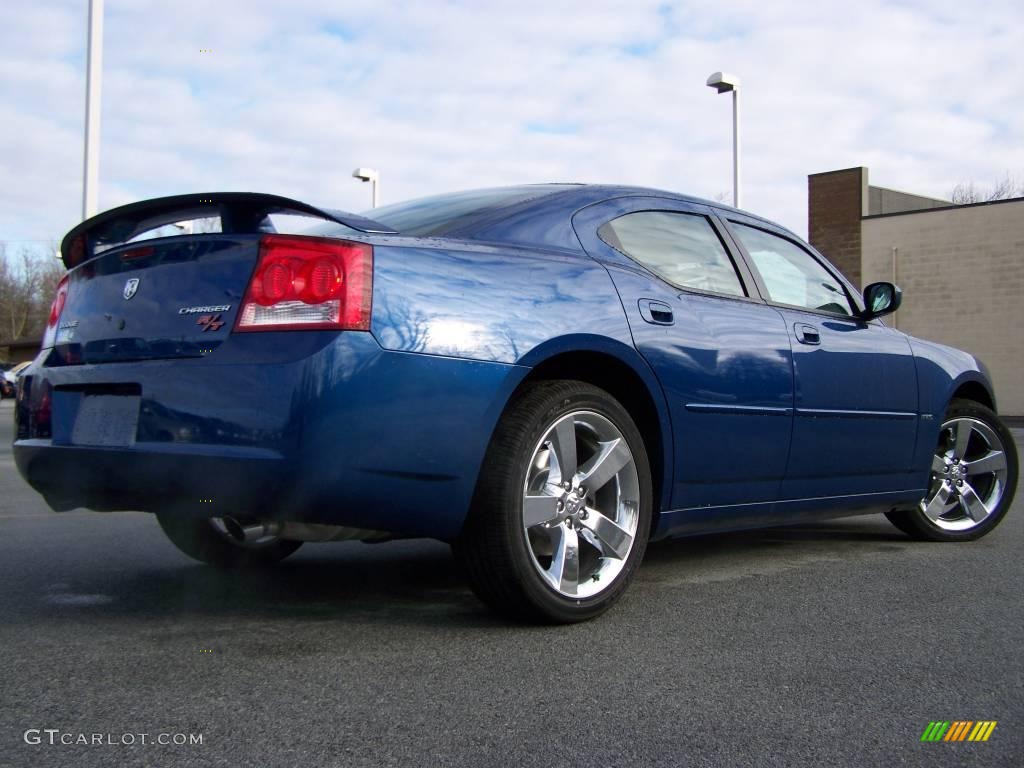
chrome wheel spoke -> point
(972, 503)
(613, 539)
(539, 509)
(939, 465)
(939, 502)
(563, 445)
(993, 461)
(963, 437)
(609, 460)
(564, 573)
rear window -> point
(682, 248)
(440, 214)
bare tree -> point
(968, 192)
(27, 284)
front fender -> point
(941, 371)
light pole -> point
(93, 81)
(372, 175)
(724, 82)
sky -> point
(442, 96)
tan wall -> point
(962, 275)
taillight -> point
(58, 302)
(55, 311)
(308, 283)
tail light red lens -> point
(58, 302)
(308, 283)
(56, 308)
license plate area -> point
(106, 421)
(105, 417)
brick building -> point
(961, 267)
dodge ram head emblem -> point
(131, 287)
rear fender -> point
(481, 302)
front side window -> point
(682, 248)
(791, 275)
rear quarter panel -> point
(502, 304)
(489, 303)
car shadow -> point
(420, 583)
(859, 534)
(392, 583)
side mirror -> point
(881, 299)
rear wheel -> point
(973, 478)
(208, 541)
(562, 510)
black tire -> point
(916, 524)
(200, 540)
(493, 549)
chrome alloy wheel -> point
(581, 502)
(968, 475)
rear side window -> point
(791, 275)
(682, 248)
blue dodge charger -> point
(547, 377)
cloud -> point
(443, 96)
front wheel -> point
(973, 478)
(562, 510)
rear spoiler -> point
(239, 212)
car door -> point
(723, 358)
(855, 403)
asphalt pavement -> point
(825, 645)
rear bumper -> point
(152, 477)
(325, 428)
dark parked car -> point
(547, 377)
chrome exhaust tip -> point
(252, 532)
(248, 534)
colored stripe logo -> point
(959, 730)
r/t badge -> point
(210, 323)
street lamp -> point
(93, 79)
(724, 82)
(372, 175)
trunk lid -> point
(176, 297)
(167, 297)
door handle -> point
(807, 334)
(656, 312)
